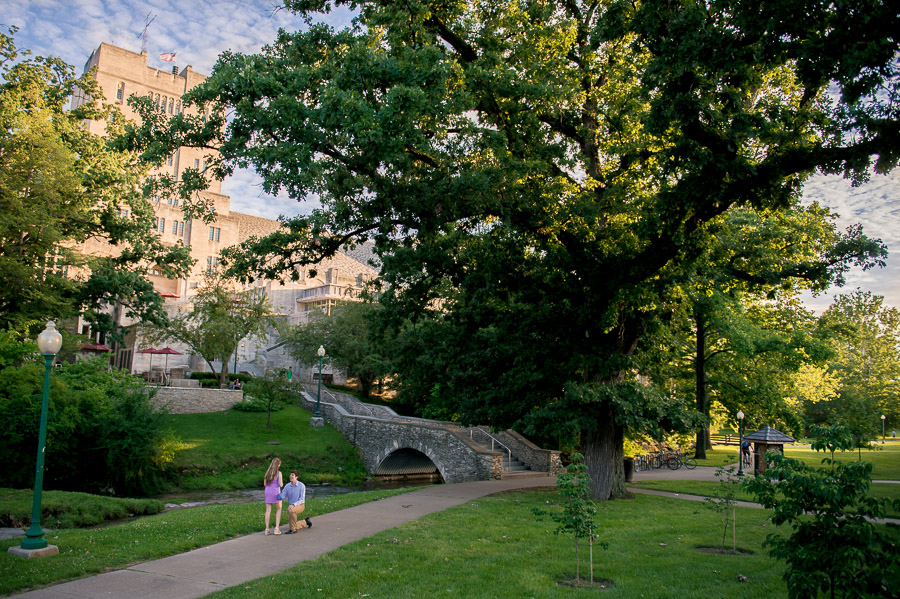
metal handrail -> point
(493, 441)
(335, 400)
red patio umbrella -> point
(151, 351)
(168, 351)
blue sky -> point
(199, 30)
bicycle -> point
(676, 461)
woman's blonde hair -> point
(272, 472)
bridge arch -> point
(403, 460)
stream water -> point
(198, 498)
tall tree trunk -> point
(700, 378)
(604, 456)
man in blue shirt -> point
(295, 493)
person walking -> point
(272, 484)
(295, 493)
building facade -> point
(121, 73)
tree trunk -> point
(223, 377)
(700, 378)
(604, 456)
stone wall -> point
(195, 401)
(457, 458)
(541, 460)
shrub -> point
(252, 404)
(834, 546)
(103, 435)
(211, 379)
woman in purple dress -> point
(272, 484)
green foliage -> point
(64, 509)
(102, 432)
(62, 186)
(272, 392)
(210, 380)
(724, 502)
(538, 176)
(834, 547)
(865, 336)
(219, 318)
(578, 510)
(351, 341)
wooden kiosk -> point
(763, 440)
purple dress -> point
(272, 490)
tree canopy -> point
(536, 174)
(60, 187)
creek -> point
(186, 499)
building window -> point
(171, 104)
(214, 233)
(177, 227)
(162, 225)
(181, 227)
(170, 160)
(197, 164)
(120, 93)
(157, 101)
(211, 264)
(178, 107)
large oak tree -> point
(536, 173)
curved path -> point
(216, 567)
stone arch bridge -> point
(394, 446)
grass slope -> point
(231, 450)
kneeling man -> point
(295, 493)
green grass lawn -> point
(495, 548)
(231, 449)
(885, 458)
(64, 509)
(890, 491)
(85, 551)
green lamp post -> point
(740, 417)
(321, 354)
(49, 342)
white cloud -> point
(876, 206)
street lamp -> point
(740, 417)
(49, 342)
(882, 428)
(321, 353)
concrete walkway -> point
(209, 569)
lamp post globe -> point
(740, 417)
(321, 353)
(49, 342)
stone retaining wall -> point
(179, 400)
(541, 460)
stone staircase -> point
(512, 466)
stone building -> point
(121, 73)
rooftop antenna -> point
(143, 36)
